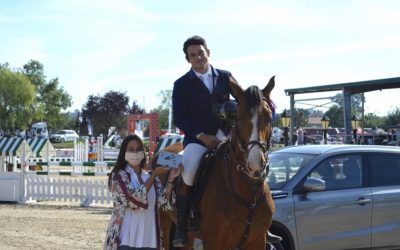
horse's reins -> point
(256, 201)
(251, 206)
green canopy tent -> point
(10, 148)
(42, 147)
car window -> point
(60, 132)
(283, 166)
(340, 172)
(385, 169)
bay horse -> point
(236, 207)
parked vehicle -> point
(276, 134)
(336, 196)
(64, 135)
(39, 129)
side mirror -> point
(314, 185)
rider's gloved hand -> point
(210, 141)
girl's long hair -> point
(121, 162)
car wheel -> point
(275, 246)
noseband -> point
(242, 163)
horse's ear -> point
(267, 90)
(237, 91)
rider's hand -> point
(210, 141)
(161, 170)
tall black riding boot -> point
(182, 207)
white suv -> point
(64, 135)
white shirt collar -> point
(208, 73)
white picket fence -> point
(87, 192)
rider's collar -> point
(210, 72)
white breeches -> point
(191, 161)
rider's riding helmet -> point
(225, 113)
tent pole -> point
(47, 155)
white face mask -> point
(134, 159)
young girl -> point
(133, 223)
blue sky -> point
(136, 46)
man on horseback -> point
(193, 98)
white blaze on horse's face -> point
(255, 154)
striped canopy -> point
(13, 146)
(165, 142)
(39, 147)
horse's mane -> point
(253, 97)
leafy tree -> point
(34, 71)
(163, 109)
(393, 118)
(166, 98)
(163, 114)
(51, 98)
(135, 109)
(335, 114)
(356, 102)
(17, 94)
(300, 117)
(110, 110)
(371, 120)
(4, 66)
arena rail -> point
(87, 192)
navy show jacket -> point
(192, 104)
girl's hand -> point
(161, 170)
(175, 172)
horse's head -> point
(253, 127)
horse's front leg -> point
(165, 226)
(216, 235)
(256, 241)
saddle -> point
(200, 183)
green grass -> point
(68, 144)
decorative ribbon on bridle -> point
(272, 106)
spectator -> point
(133, 224)
(300, 136)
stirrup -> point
(193, 223)
(180, 239)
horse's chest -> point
(235, 214)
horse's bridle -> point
(242, 163)
(245, 149)
(240, 166)
(250, 205)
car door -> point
(385, 180)
(340, 216)
(69, 136)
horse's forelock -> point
(253, 97)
